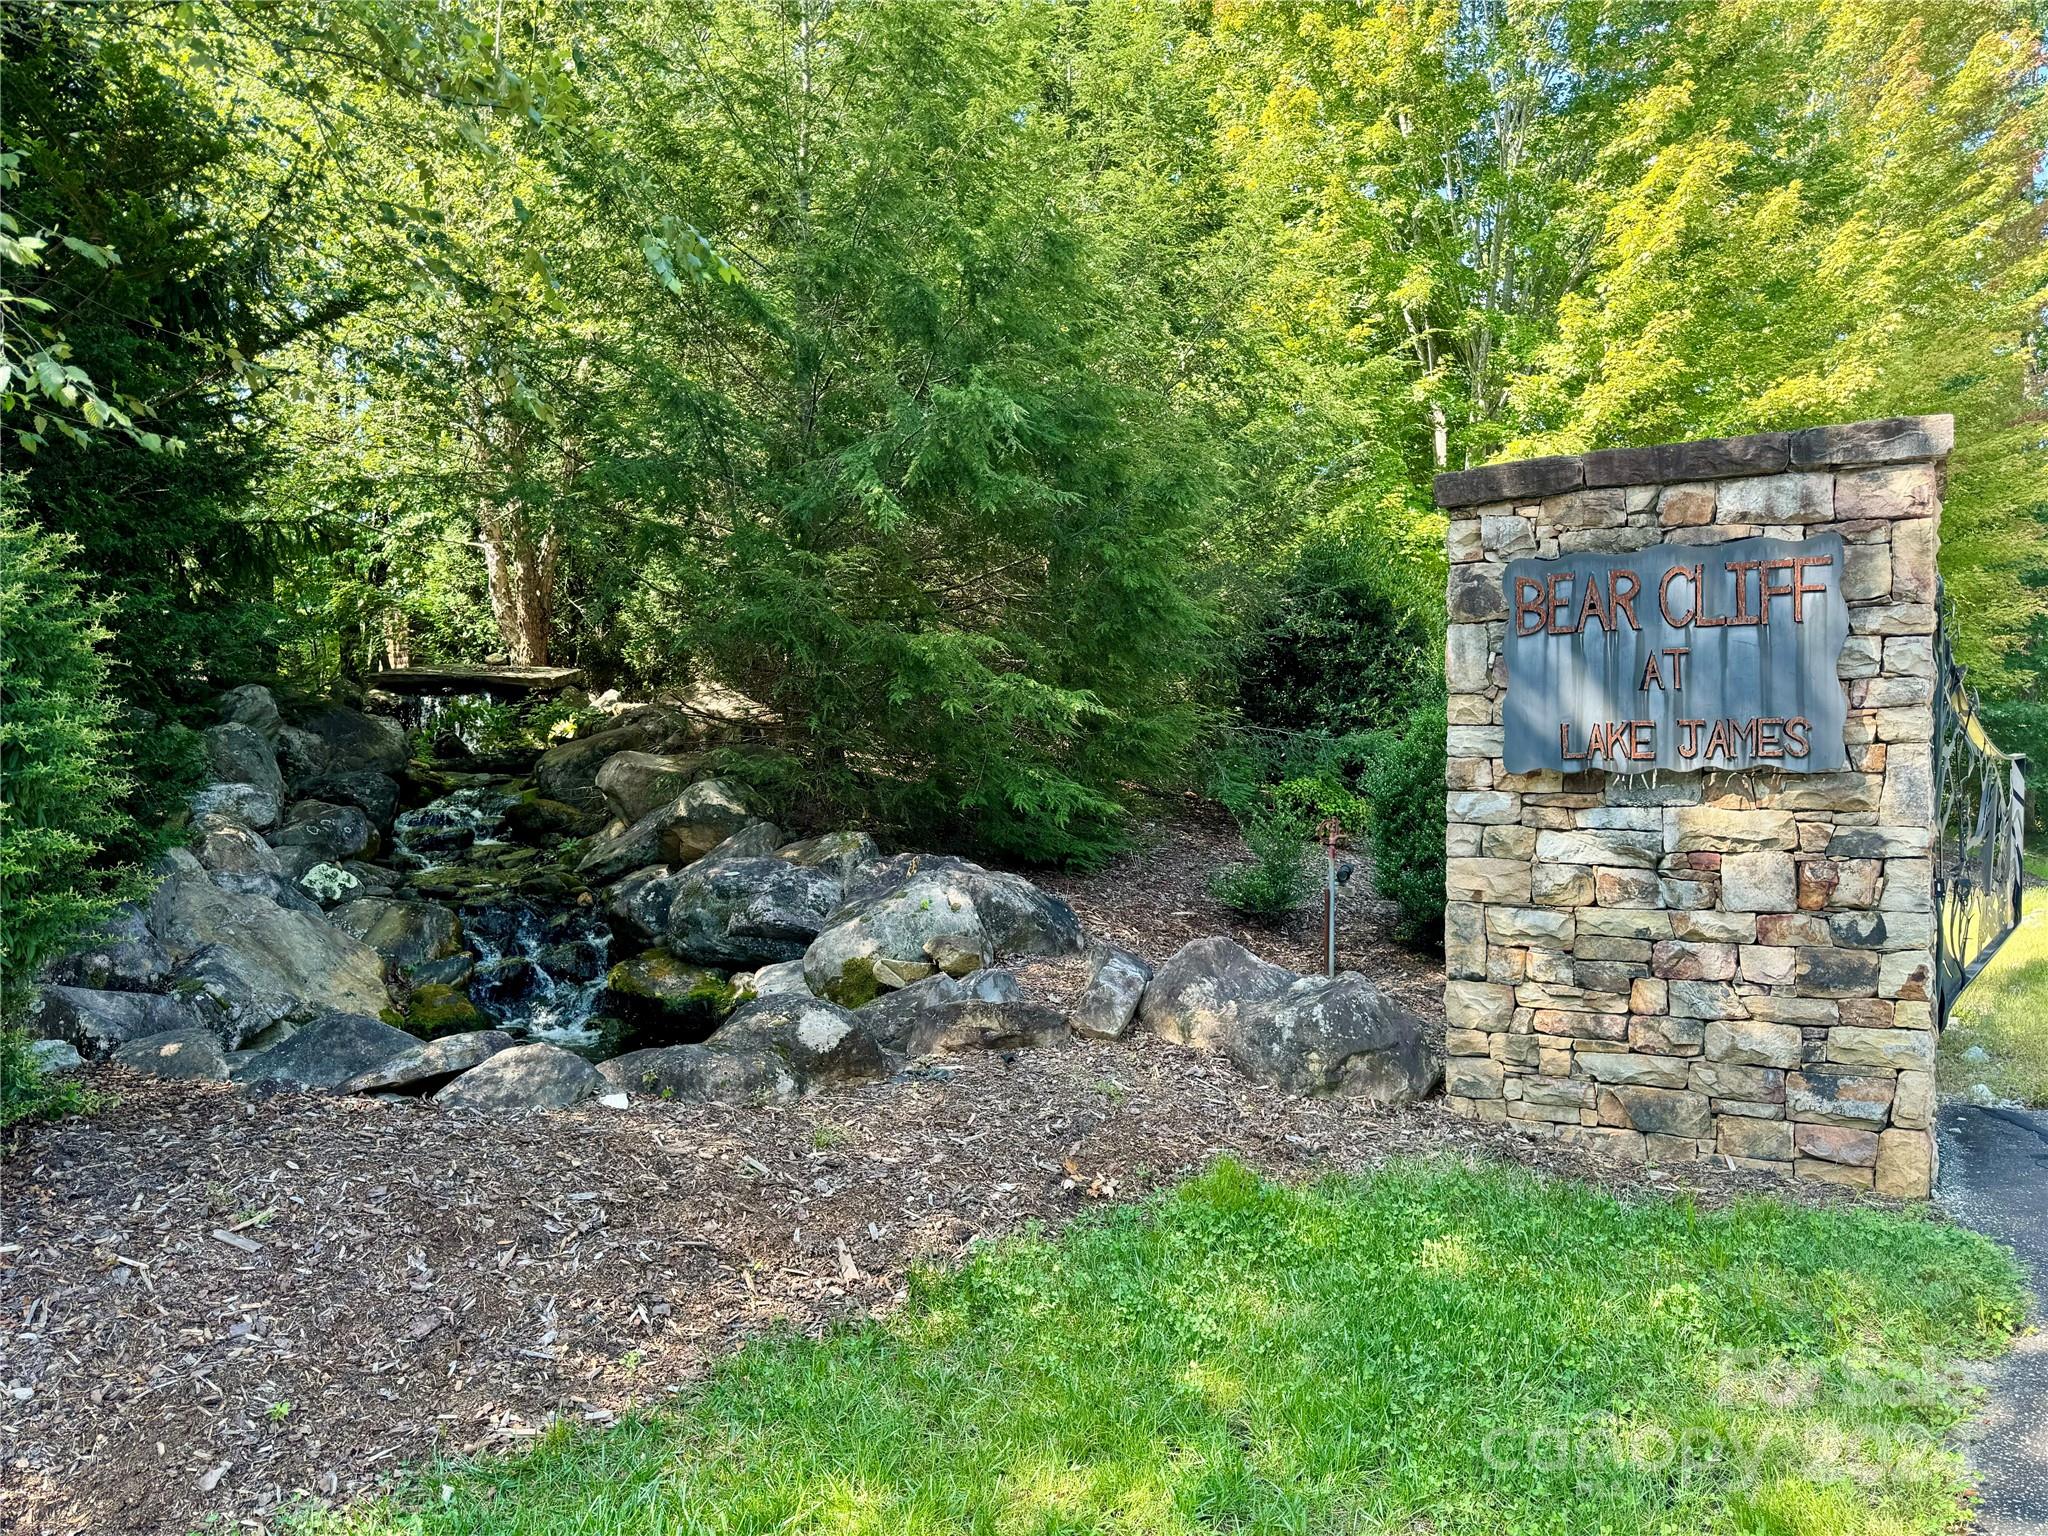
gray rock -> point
(333, 1050)
(866, 946)
(252, 705)
(943, 1014)
(634, 783)
(657, 986)
(275, 888)
(374, 794)
(522, 1078)
(1019, 918)
(1110, 1001)
(329, 884)
(248, 803)
(335, 832)
(188, 1055)
(405, 933)
(820, 1042)
(731, 1074)
(569, 772)
(839, 854)
(747, 911)
(680, 832)
(301, 756)
(429, 1063)
(54, 1056)
(784, 976)
(1333, 1035)
(639, 904)
(229, 845)
(755, 840)
(356, 742)
(239, 754)
(275, 962)
(96, 1023)
(123, 957)
(1196, 996)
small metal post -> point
(1330, 830)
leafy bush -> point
(1337, 651)
(60, 795)
(1403, 782)
(1279, 825)
(28, 1093)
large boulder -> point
(301, 756)
(1019, 919)
(247, 803)
(325, 1054)
(925, 923)
(97, 1023)
(279, 888)
(569, 772)
(252, 705)
(123, 956)
(335, 832)
(679, 832)
(656, 987)
(272, 962)
(374, 794)
(428, 1064)
(785, 976)
(240, 754)
(1196, 996)
(943, 1014)
(1333, 1035)
(748, 911)
(186, 1055)
(229, 845)
(638, 905)
(405, 933)
(634, 783)
(525, 1077)
(356, 742)
(839, 854)
(1110, 1001)
(734, 1074)
(819, 1041)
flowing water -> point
(540, 956)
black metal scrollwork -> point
(1980, 796)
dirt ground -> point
(211, 1306)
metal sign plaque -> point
(1678, 656)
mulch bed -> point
(211, 1305)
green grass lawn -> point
(2004, 1013)
(1434, 1349)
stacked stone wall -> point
(1710, 963)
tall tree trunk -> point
(519, 567)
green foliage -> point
(1403, 781)
(1280, 876)
(1463, 1349)
(29, 1094)
(60, 785)
(1336, 652)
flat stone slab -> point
(513, 680)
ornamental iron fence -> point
(1980, 816)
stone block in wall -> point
(1898, 1049)
(1709, 829)
(1829, 1098)
(1873, 442)
(1759, 882)
(1888, 492)
(1759, 1140)
(1751, 1042)
(1905, 1164)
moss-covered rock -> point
(656, 987)
(436, 1009)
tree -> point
(59, 795)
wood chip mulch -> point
(210, 1306)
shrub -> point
(28, 1093)
(1338, 650)
(1403, 782)
(60, 796)
(1279, 825)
